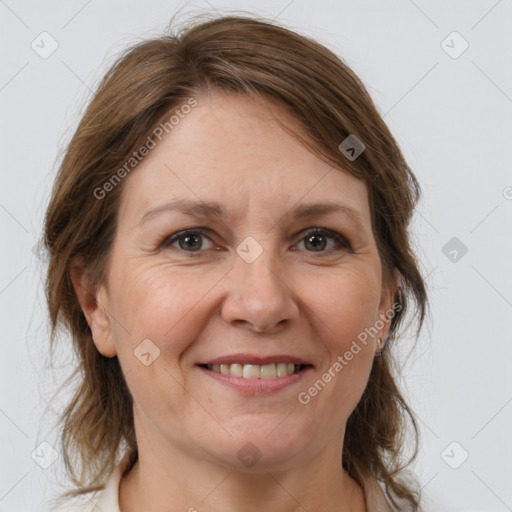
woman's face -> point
(250, 287)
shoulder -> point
(106, 500)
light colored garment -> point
(108, 499)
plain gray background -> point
(451, 113)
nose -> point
(259, 297)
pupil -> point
(315, 245)
(190, 238)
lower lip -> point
(256, 386)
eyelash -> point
(340, 239)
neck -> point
(167, 479)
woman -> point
(229, 251)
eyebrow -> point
(207, 209)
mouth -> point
(251, 366)
(256, 375)
(256, 371)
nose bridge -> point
(258, 269)
(258, 295)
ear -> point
(93, 305)
(386, 311)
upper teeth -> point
(255, 371)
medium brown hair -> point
(238, 55)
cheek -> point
(345, 303)
(157, 320)
(161, 305)
(352, 314)
(345, 309)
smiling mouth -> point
(256, 371)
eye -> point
(188, 240)
(316, 240)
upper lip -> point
(256, 359)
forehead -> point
(230, 149)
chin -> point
(260, 447)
